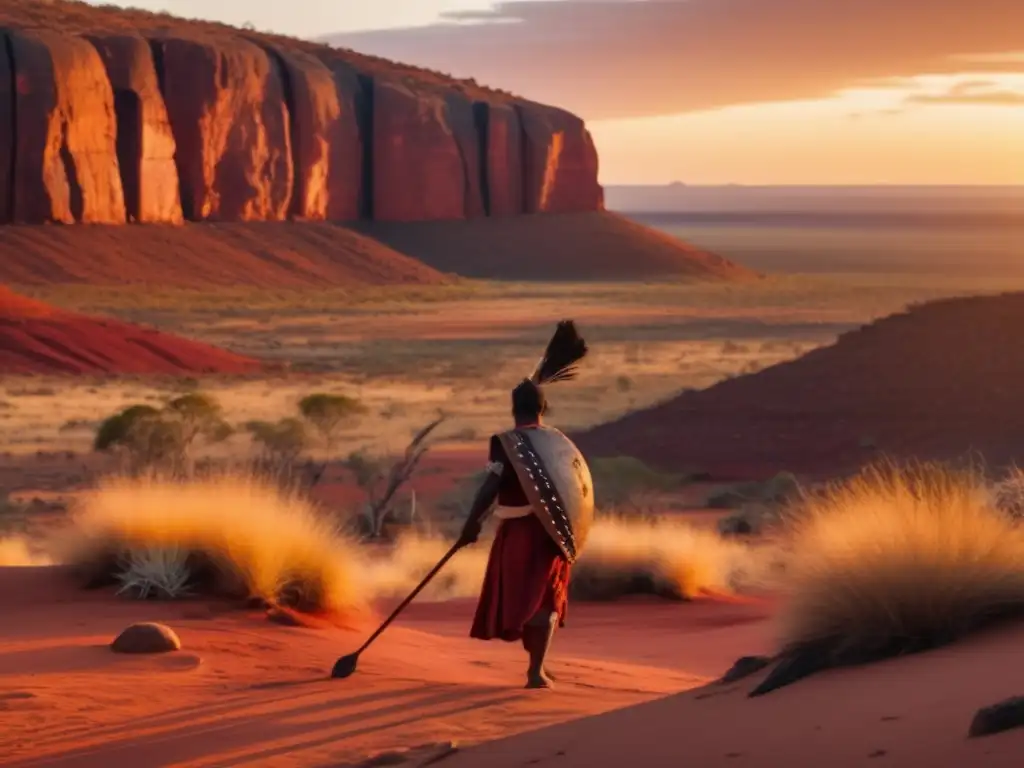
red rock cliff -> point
(160, 122)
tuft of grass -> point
(236, 535)
(156, 571)
(17, 552)
(658, 557)
(899, 558)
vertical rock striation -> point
(65, 165)
(560, 162)
(227, 108)
(149, 126)
(145, 143)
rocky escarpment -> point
(158, 122)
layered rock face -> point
(61, 129)
(145, 143)
(144, 126)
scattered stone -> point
(999, 717)
(146, 637)
(744, 667)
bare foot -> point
(538, 681)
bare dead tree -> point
(381, 485)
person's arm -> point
(485, 497)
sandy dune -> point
(244, 691)
(906, 712)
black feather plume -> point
(564, 351)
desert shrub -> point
(280, 444)
(783, 488)
(236, 536)
(18, 551)
(1008, 494)
(412, 557)
(327, 414)
(618, 478)
(381, 479)
(658, 557)
(147, 438)
(900, 558)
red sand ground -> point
(36, 338)
(244, 691)
(934, 382)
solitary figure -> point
(539, 486)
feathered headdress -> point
(563, 352)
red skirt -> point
(526, 574)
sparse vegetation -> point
(150, 439)
(328, 413)
(900, 558)
(233, 536)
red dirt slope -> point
(257, 254)
(592, 245)
(936, 382)
(36, 338)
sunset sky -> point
(721, 91)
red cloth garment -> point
(526, 574)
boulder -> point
(146, 637)
(326, 150)
(145, 143)
(227, 108)
(503, 158)
(560, 165)
(418, 169)
(998, 717)
(468, 142)
(65, 159)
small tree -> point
(381, 483)
(329, 413)
(281, 442)
(148, 438)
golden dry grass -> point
(243, 538)
(900, 558)
(661, 557)
(621, 557)
(16, 551)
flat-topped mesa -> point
(159, 123)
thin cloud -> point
(622, 58)
(1001, 98)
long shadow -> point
(193, 716)
(186, 742)
(323, 741)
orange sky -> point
(723, 91)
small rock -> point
(998, 717)
(146, 637)
(744, 667)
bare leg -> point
(537, 637)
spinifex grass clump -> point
(899, 559)
(232, 536)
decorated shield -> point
(557, 481)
